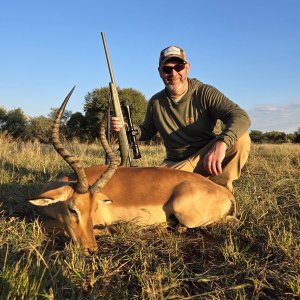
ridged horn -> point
(82, 182)
(113, 159)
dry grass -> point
(258, 259)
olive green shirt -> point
(188, 125)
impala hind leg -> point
(194, 206)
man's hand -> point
(212, 161)
(116, 124)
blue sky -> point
(249, 50)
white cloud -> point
(269, 117)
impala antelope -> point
(101, 195)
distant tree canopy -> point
(39, 128)
(14, 122)
(96, 104)
(297, 136)
(3, 113)
(76, 126)
(276, 137)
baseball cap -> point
(171, 51)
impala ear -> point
(45, 201)
(54, 195)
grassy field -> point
(257, 259)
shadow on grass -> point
(23, 183)
(13, 199)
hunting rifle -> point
(131, 131)
(126, 135)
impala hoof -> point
(180, 228)
(91, 250)
(231, 220)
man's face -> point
(174, 74)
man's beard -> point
(172, 89)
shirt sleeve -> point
(236, 121)
(147, 130)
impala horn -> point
(82, 182)
(113, 159)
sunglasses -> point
(168, 69)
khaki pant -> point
(235, 159)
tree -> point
(291, 137)
(3, 114)
(77, 127)
(15, 123)
(39, 128)
(257, 136)
(297, 136)
(276, 137)
(96, 105)
(137, 102)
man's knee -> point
(235, 159)
(184, 165)
(242, 146)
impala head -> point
(73, 204)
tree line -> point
(85, 127)
(276, 137)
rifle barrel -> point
(108, 59)
(122, 135)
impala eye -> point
(72, 211)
